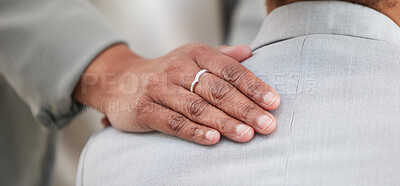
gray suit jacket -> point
(45, 45)
(336, 66)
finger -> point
(226, 97)
(221, 47)
(233, 72)
(170, 122)
(200, 111)
(238, 53)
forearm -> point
(45, 47)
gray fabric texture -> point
(336, 66)
(45, 45)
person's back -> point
(336, 66)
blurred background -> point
(153, 28)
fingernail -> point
(270, 98)
(242, 129)
(210, 135)
(264, 121)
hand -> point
(141, 95)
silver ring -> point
(197, 79)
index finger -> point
(236, 74)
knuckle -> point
(195, 131)
(196, 106)
(151, 80)
(222, 124)
(244, 109)
(254, 88)
(199, 46)
(197, 49)
(142, 107)
(177, 123)
(232, 73)
(220, 91)
(174, 65)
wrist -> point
(98, 83)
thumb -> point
(239, 53)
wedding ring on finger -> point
(197, 79)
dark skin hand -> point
(142, 95)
